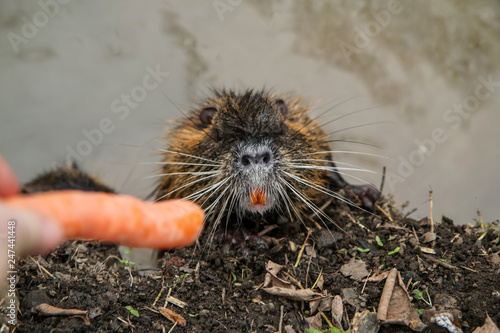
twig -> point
(366, 281)
(470, 269)
(437, 261)
(388, 215)
(40, 267)
(280, 327)
(131, 277)
(326, 319)
(159, 295)
(302, 248)
(362, 226)
(175, 324)
(410, 212)
(166, 302)
(317, 279)
(383, 180)
(480, 219)
(432, 219)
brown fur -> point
(241, 117)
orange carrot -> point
(117, 218)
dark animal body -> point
(250, 155)
(69, 177)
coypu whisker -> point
(198, 173)
(356, 142)
(311, 120)
(325, 161)
(318, 212)
(182, 163)
(335, 169)
(322, 189)
(183, 186)
(347, 115)
(287, 201)
(328, 168)
(330, 193)
(188, 155)
(198, 194)
(348, 152)
(357, 126)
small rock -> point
(62, 277)
(110, 297)
(429, 237)
(35, 298)
(445, 302)
(494, 258)
(350, 296)
(326, 239)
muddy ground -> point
(453, 272)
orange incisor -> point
(258, 196)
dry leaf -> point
(315, 322)
(337, 311)
(488, 327)
(295, 295)
(45, 309)
(355, 268)
(322, 304)
(310, 251)
(377, 278)
(172, 316)
(273, 268)
(395, 304)
(271, 278)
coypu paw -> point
(366, 194)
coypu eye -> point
(207, 114)
(282, 106)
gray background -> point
(411, 62)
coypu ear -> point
(207, 114)
(282, 106)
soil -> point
(458, 272)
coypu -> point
(249, 155)
(253, 154)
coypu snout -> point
(257, 171)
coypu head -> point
(246, 154)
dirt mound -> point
(423, 275)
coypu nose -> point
(264, 157)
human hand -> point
(32, 233)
